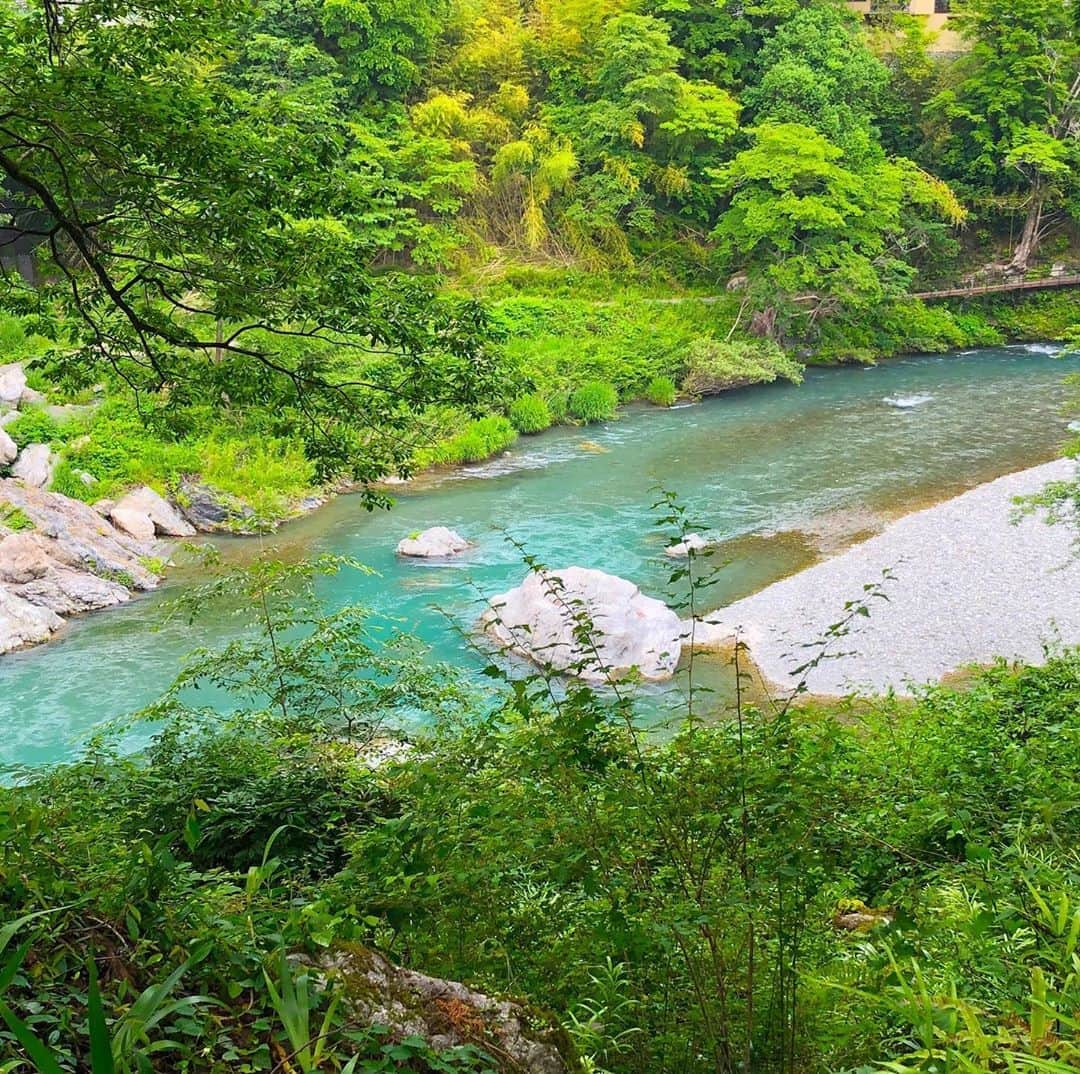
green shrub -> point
(530, 414)
(559, 404)
(35, 426)
(264, 474)
(67, 482)
(14, 518)
(479, 440)
(595, 401)
(715, 366)
(661, 391)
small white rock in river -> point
(691, 542)
(435, 543)
(540, 620)
(34, 466)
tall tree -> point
(204, 238)
(1010, 120)
(816, 69)
(817, 235)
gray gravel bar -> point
(968, 585)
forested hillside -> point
(361, 226)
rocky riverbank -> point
(59, 558)
(962, 582)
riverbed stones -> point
(12, 383)
(588, 624)
(34, 466)
(439, 542)
(143, 508)
(9, 450)
(965, 584)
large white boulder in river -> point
(543, 619)
(435, 543)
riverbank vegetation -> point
(396, 223)
(869, 885)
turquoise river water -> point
(781, 473)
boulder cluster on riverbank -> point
(60, 557)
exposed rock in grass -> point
(448, 1014)
(34, 466)
(12, 383)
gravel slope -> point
(968, 585)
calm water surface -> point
(759, 468)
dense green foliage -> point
(680, 903)
(594, 401)
(284, 241)
(530, 414)
(661, 391)
(362, 184)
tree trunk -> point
(1029, 237)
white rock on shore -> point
(12, 383)
(540, 619)
(23, 623)
(968, 586)
(143, 513)
(9, 450)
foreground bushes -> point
(667, 898)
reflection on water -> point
(780, 474)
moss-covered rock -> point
(448, 1014)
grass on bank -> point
(569, 354)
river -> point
(781, 473)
